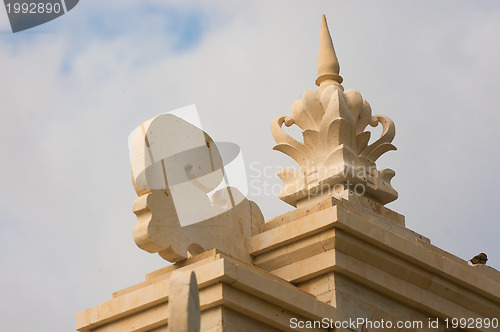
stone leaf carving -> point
(330, 120)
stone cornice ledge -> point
(222, 280)
(379, 232)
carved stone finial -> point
(335, 157)
(328, 64)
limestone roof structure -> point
(340, 261)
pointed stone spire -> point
(328, 65)
(335, 156)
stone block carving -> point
(175, 168)
(335, 154)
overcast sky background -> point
(73, 89)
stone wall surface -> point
(331, 260)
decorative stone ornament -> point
(175, 168)
(335, 158)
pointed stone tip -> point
(323, 21)
(328, 65)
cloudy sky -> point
(73, 89)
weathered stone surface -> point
(227, 288)
(363, 264)
(184, 302)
